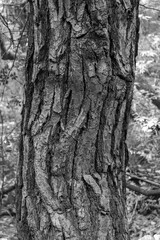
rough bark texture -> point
(79, 82)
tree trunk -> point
(79, 82)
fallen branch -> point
(155, 192)
(142, 179)
(150, 8)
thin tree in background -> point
(78, 91)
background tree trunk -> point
(79, 82)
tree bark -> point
(79, 82)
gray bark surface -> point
(79, 83)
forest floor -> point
(142, 221)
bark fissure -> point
(84, 85)
(73, 176)
(100, 161)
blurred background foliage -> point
(13, 29)
(144, 129)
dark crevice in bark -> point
(51, 105)
(99, 139)
(30, 51)
(56, 5)
(44, 25)
(128, 29)
(111, 178)
(97, 160)
(42, 54)
(28, 103)
(128, 78)
(75, 9)
(30, 173)
(57, 133)
(31, 187)
(44, 124)
(137, 36)
(19, 175)
(63, 235)
(84, 84)
(115, 205)
(22, 227)
(111, 169)
(81, 36)
(113, 136)
(66, 42)
(87, 11)
(123, 144)
(93, 210)
(88, 115)
(111, 54)
(73, 168)
(29, 89)
(65, 80)
(132, 63)
(128, 98)
(82, 129)
(70, 186)
(113, 40)
(49, 161)
(40, 85)
(66, 107)
(29, 65)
